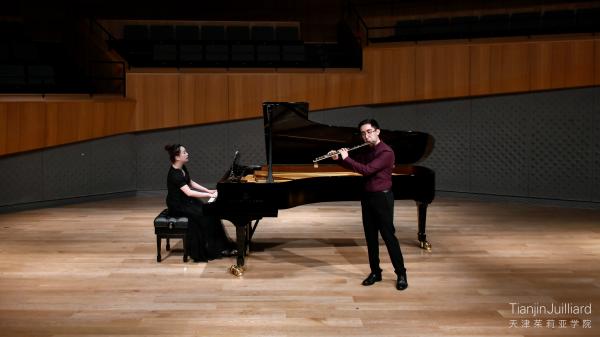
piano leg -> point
(422, 236)
(241, 229)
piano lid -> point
(291, 138)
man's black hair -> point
(369, 121)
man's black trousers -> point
(378, 217)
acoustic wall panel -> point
(249, 138)
(113, 165)
(349, 117)
(596, 146)
(400, 117)
(500, 145)
(21, 179)
(450, 124)
(67, 171)
(207, 148)
(152, 160)
(561, 154)
(543, 145)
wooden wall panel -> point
(4, 141)
(559, 64)
(390, 73)
(113, 117)
(293, 87)
(247, 92)
(68, 122)
(480, 72)
(355, 88)
(317, 95)
(499, 68)
(33, 125)
(303, 87)
(333, 95)
(344, 89)
(157, 97)
(204, 98)
(23, 126)
(442, 71)
(597, 61)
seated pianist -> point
(206, 238)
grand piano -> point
(247, 194)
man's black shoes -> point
(372, 278)
(402, 283)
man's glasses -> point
(367, 132)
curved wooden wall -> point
(392, 73)
(29, 125)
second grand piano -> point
(289, 179)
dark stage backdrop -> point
(534, 146)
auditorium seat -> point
(242, 54)
(138, 53)
(238, 33)
(525, 23)
(461, 26)
(407, 30)
(316, 55)
(165, 54)
(262, 33)
(292, 54)
(213, 33)
(268, 55)
(187, 33)
(562, 21)
(216, 55)
(434, 28)
(491, 25)
(41, 74)
(212, 44)
(287, 33)
(135, 32)
(162, 33)
(12, 75)
(191, 54)
(587, 19)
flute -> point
(329, 155)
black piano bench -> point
(169, 227)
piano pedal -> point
(425, 245)
(237, 270)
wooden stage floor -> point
(90, 270)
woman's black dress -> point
(206, 238)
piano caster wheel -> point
(237, 270)
(425, 245)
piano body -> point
(289, 179)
